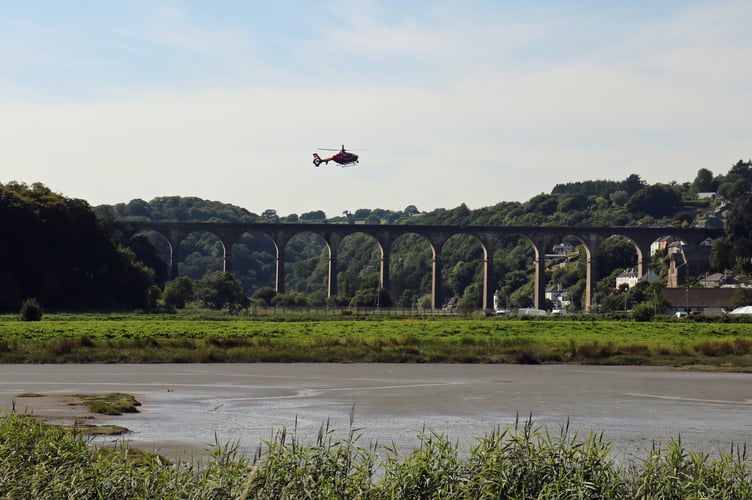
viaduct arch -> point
(540, 237)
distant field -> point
(165, 338)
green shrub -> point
(31, 310)
(643, 312)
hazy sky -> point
(448, 102)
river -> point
(184, 406)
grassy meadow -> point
(297, 338)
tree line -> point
(69, 255)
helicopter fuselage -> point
(343, 158)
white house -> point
(629, 277)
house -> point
(629, 277)
(661, 243)
(712, 222)
(557, 294)
(715, 280)
(650, 276)
(563, 248)
(708, 301)
(685, 262)
(707, 196)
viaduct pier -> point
(542, 238)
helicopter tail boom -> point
(317, 160)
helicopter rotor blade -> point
(340, 149)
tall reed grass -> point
(523, 461)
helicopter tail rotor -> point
(317, 160)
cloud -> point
(480, 105)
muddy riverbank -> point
(185, 406)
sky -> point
(446, 102)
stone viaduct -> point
(541, 238)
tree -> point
(543, 204)
(138, 208)
(658, 200)
(316, 215)
(734, 251)
(617, 252)
(57, 250)
(643, 312)
(572, 203)
(145, 252)
(270, 215)
(411, 210)
(742, 297)
(371, 297)
(739, 223)
(373, 219)
(290, 299)
(31, 310)
(737, 182)
(179, 292)
(703, 182)
(632, 184)
(266, 294)
(221, 289)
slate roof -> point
(699, 297)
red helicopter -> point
(343, 157)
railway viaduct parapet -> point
(540, 237)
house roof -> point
(699, 297)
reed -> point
(522, 461)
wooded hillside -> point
(69, 255)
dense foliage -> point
(55, 249)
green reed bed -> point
(165, 338)
(523, 461)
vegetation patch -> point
(95, 430)
(520, 461)
(139, 338)
(115, 403)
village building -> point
(686, 262)
(707, 301)
(661, 243)
(630, 278)
(557, 294)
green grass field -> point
(186, 339)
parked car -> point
(530, 311)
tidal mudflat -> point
(185, 406)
